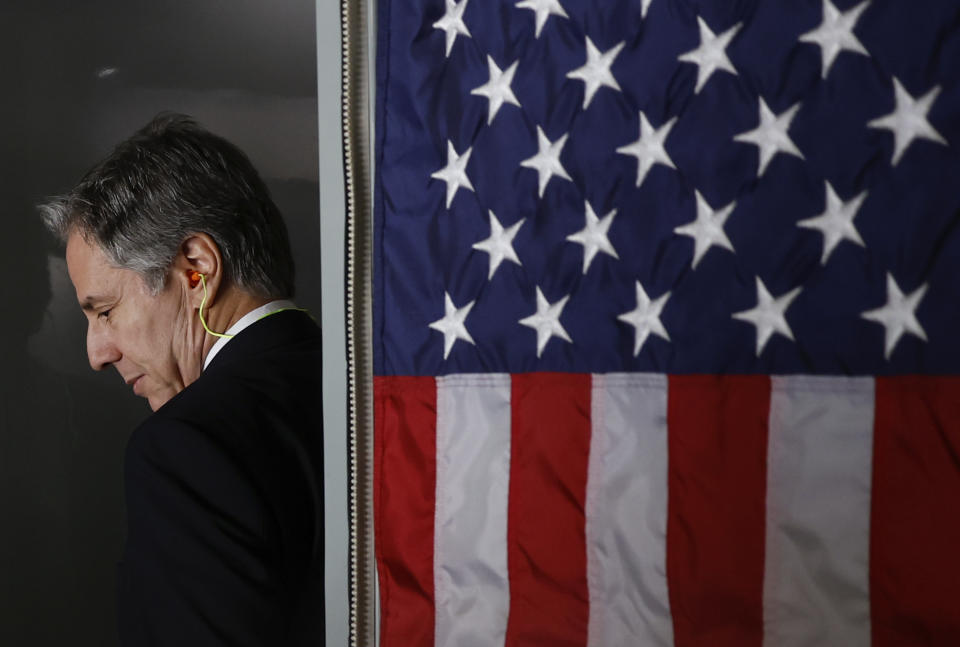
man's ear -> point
(199, 254)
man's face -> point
(145, 337)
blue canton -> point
(678, 187)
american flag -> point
(667, 322)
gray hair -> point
(170, 180)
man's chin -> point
(158, 400)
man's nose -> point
(101, 351)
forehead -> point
(83, 257)
(89, 269)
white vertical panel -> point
(816, 587)
(627, 512)
(333, 315)
(470, 544)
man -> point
(182, 265)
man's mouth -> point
(135, 382)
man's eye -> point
(104, 315)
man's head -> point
(170, 201)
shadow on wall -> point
(60, 485)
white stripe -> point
(816, 587)
(626, 511)
(472, 592)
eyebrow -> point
(91, 303)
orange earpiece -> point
(195, 278)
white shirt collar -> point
(244, 321)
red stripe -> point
(717, 508)
(915, 518)
(405, 414)
(546, 540)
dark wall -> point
(78, 77)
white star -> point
(455, 172)
(547, 159)
(908, 121)
(497, 89)
(596, 71)
(707, 229)
(646, 318)
(593, 236)
(648, 149)
(543, 9)
(836, 222)
(500, 244)
(899, 316)
(546, 321)
(768, 315)
(710, 56)
(452, 325)
(452, 22)
(835, 33)
(770, 136)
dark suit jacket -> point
(224, 495)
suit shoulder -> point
(174, 446)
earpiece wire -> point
(203, 302)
